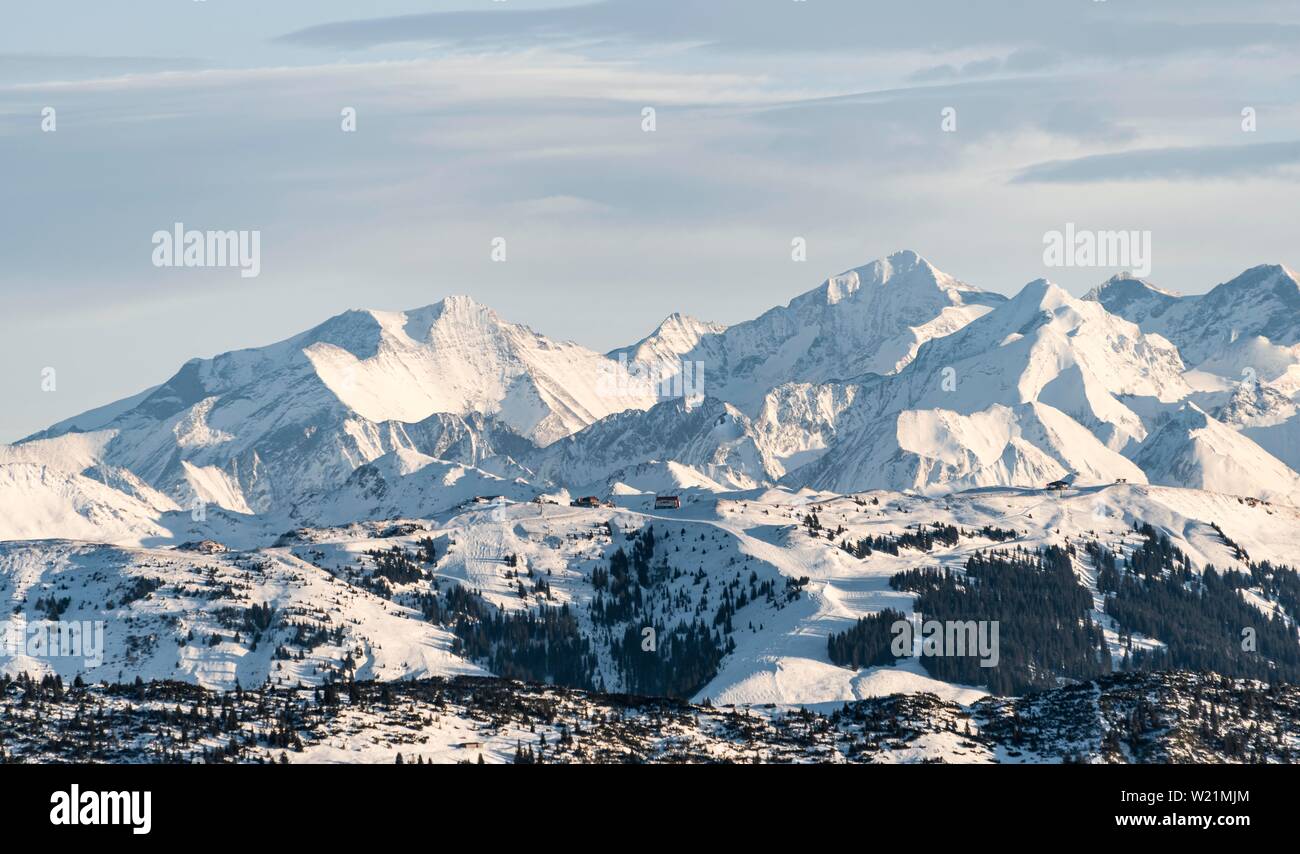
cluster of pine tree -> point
(1202, 620)
(867, 643)
(544, 644)
(51, 607)
(139, 588)
(618, 589)
(1043, 614)
(306, 637)
(653, 659)
(814, 525)
(924, 538)
(994, 533)
(396, 565)
(428, 550)
(1280, 584)
(679, 662)
(1156, 555)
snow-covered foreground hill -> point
(532, 590)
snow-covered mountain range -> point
(1263, 302)
(258, 429)
(384, 480)
(869, 320)
(891, 375)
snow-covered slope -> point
(406, 484)
(870, 319)
(1030, 444)
(799, 422)
(658, 477)
(1046, 345)
(1134, 299)
(1194, 450)
(1265, 403)
(258, 429)
(711, 437)
(59, 487)
(460, 357)
(186, 615)
(677, 336)
(1281, 439)
(37, 501)
(1262, 301)
(1029, 390)
(1254, 358)
(182, 615)
(1243, 339)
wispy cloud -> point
(1158, 27)
(37, 67)
(1276, 159)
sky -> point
(964, 131)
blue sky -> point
(774, 119)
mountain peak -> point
(904, 271)
(905, 261)
(677, 320)
(459, 302)
(1262, 275)
(1043, 294)
(675, 336)
(903, 265)
(1125, 286)
(455, 310)
(455, 306)
(1263, 301)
